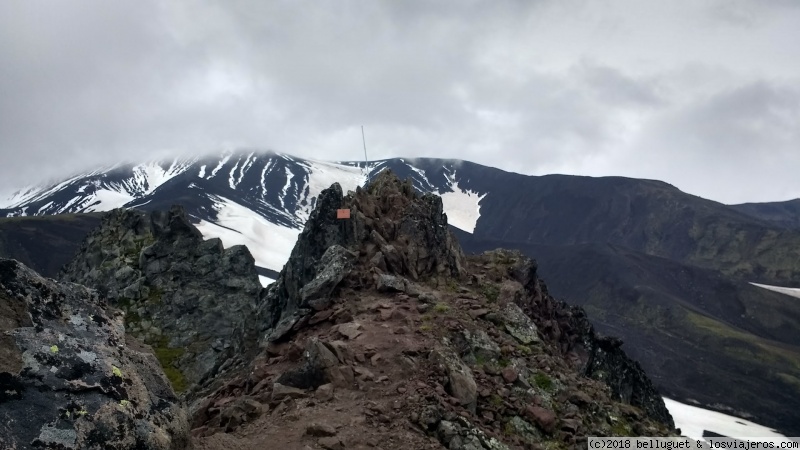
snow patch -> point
(231, 181)
(321, 175)
(32, 194)
(462, 207)
(264, 172)
(289, 176)
(222, 162)
(44, 208)
(269, 244)
(149, 176)
(202, 171)
(693, 421)
(794, 292)
(245, 167)
(107, 200)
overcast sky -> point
(703, 94)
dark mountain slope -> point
(700, 334)
(783, 214)
(45, 243)
(648, 216)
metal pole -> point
(364, 140)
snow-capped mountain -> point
(651, 264)
(260, 199)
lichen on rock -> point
(73, 378)
(186, 297)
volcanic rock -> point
(71, 378)
(184, 296)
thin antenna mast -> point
(364, 140)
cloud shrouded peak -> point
(703, 95)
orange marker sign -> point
(342, 213)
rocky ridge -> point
(71, 378)
(182, 295)
(380, 333)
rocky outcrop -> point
(392, 229)
(71, 378)
(188, 298)
(400, 348)
(570, 331)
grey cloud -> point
(90, 82)
(736, 142)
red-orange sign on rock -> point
(342, 213)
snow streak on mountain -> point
(259, 199)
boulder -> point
(281, 392)
(71, 378)
(519, 325)
(315, 370)
(333, 266)
(461, 384)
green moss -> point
(620, 428)
(490, 291)
(508, 429)
(496, 401)
(168, 356)
(425, 327)
(524, 350)
(441, 308)
(542, 381)
(553, 445)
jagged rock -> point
(476, 347)
(316, 369)
(544, 418)
(519, 325)
(331, 443)
(378, 261)
(334, 265)
(601, 357)
(387, 217)
(281, 392)
(343, 352)
(71, 378)
(350, 330)
(325, 393)
(320, 430)
(390, 283)
(186, 297)
(241, 411)
(525, 430)
(461, 383)
(462, 435)
(509, 374)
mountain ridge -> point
(648, 218)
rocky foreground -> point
(379, 333)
